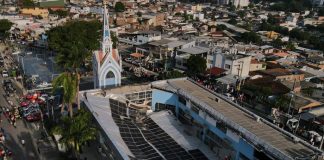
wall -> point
(159, 96)
(257, 67)
(241, 146)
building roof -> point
(195, 50)
(215, 71)
(273, 140)
(281, 72)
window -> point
(110, 74)
(227, 66)
(182, 100)
(322, 94)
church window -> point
(110, 74)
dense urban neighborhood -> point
(168, 79)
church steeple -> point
(106, 44)
(107, 66)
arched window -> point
(110, 74)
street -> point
(13, 136)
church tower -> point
(107, 64)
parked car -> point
(24, 103)
(128, 59)
(1, 62)
(34, 117)
(5, 73)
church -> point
(107, 64)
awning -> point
(137, 55)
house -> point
(35, 12)
(182, 55)
(256, 65)
(313, 21)
(139, 38)
(284, 74)
(272, 34)
(234, 63)
(168, 47)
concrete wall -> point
(159, 96)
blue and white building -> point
(180, 119)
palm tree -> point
(76, 131)
(73, 53)
(67, 81)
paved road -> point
(24, 130)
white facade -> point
(235, 64)
(107, 64)
(240, 3)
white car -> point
(5, 73)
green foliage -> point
(5, 26)
(268, 27)
(249, 37)
(28, 3)
(114, 40)
(281, 102)
(299, 34)
(221, 27)
(74, 42)
(76, 131)
(196, 65)
(272, 20)
(321, 12)
(277, 43)
(178, 14)
(67, 81)
(291, 5)
(60, 13)
(241, 13)
(174, 74)
(290, 46)
(232, 21)
(119, 7)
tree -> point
(60, 13)
(282, 102)
(28, 3)
(114, 40)
(66, 81)
(221, 27)
(249, 37)
(74, 43)
(277, 43)
(119, 7)
(320, 12)
(173, 74)
(232, 21)
(5, 26)
(290, 46)
(76, 131)
(196, 65)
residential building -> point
(313, 21)
(256, 65)
(234, 63)
(139, 38)
(284, 74)
(168, 47)
(180, 118)
(35, 12)
(240, 3)
(182, 55)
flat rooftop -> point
(260, 133)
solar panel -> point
(132, 133)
